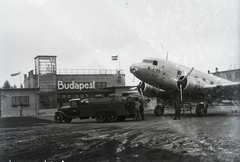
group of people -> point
(139, 109)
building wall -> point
(30, 81)
(85, 86)
(232, 75)
(109, 79)
(9, 109)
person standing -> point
(142, 109)
(177, 107)
(137, 109)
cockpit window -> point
(153, 62)
(147, 61)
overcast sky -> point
(84, 34)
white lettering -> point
(73, 85)
(60, 85)
(76, 86)
(81, 85)
(87, 85)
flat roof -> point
(225, 71)
(45, 56)
(20, 89)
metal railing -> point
(89, 71)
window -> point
(155, 62)
(74, 103)
(82, 96)
(16, 100)
(76, 96)
(229, 76)
(147, 61)
(100, 85)
(179, 72)
(237, 75)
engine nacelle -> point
(190, 84)
(148, 90)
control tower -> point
(45, 70)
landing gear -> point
(159, 110)
(201, 109)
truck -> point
(103, 109)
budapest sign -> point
(75, 86)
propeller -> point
(188, 73)
(182, 81)
(141, 93)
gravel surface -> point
(211, 138)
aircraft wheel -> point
(159, 110)
(58, 118)
(67, 120)
(101, 119)
(112, 118)
(201, 110)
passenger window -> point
(179, 72)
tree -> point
(14, 86)
(21, 86)
(6, 85)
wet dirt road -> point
(215, 137)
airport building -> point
(232, 75)
(47, 87)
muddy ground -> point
(215, 137)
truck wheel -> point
(67, 120)
(101, 119)
(58, 118)
(112, 118)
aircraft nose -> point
(133, 68)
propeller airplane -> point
(166, 80)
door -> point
(74, 109)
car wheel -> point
(58, 118)
(101, 119)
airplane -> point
(166, 80)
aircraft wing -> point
(230, 91)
